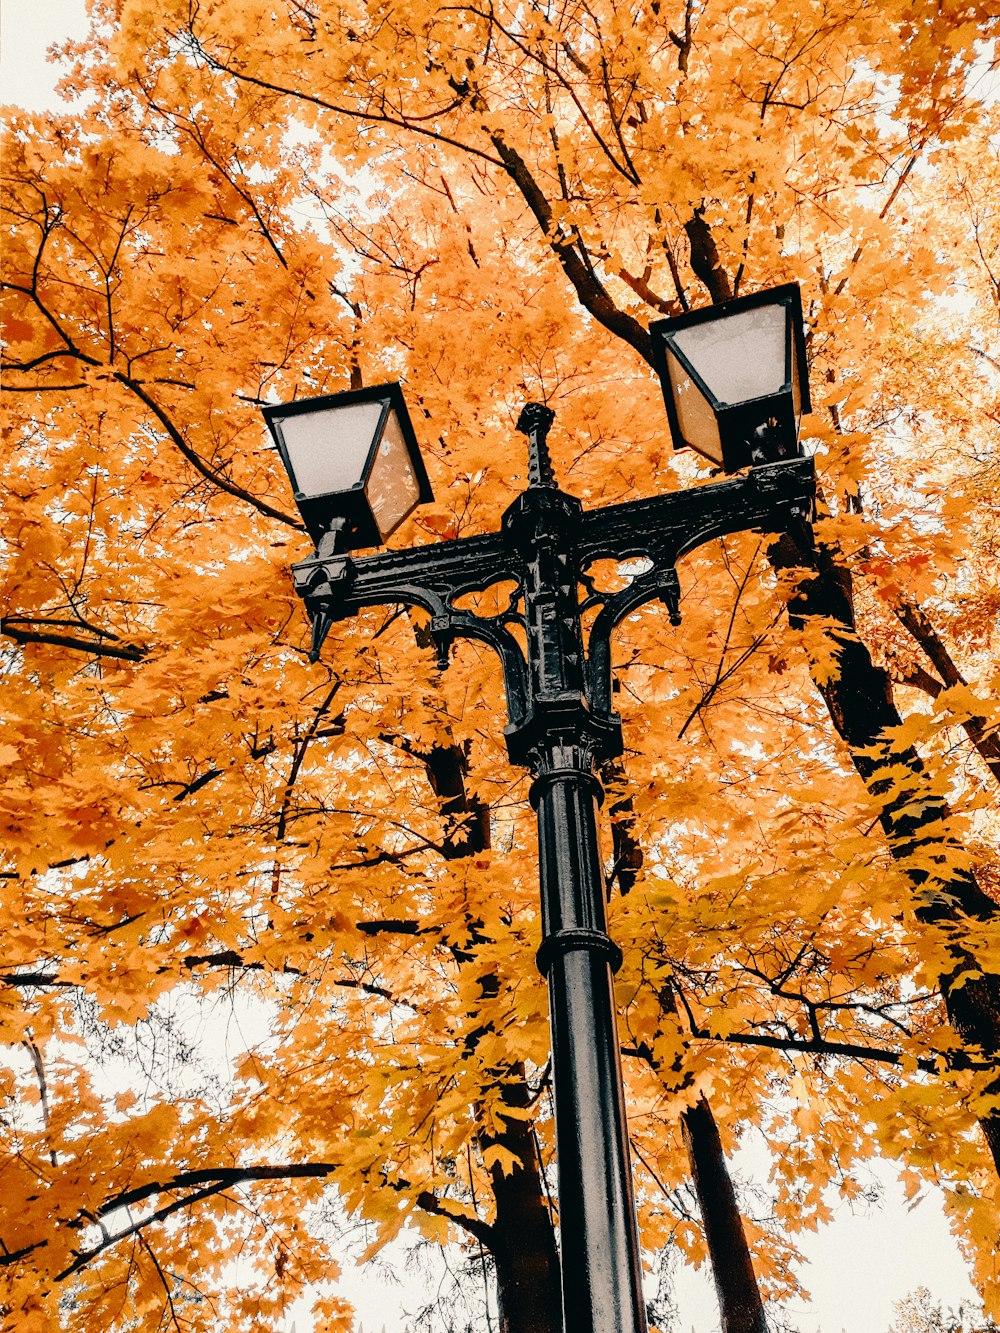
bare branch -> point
(125, 652)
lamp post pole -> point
(560, 739)
(561, 726)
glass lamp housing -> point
(734, 378)
(351, 456)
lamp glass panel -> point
(796, 389)
(697, 420)
(740, 357)
(393, 489)
(328, 448)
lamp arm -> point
(432, 577)
(776, 497)
(773, 496)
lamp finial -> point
(534, 421)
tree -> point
(919, 1313)
(493, 203)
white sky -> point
(858, 1266)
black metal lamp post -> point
(561, 726)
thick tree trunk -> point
(860, 702)
(740, 1306)
(524, 1244)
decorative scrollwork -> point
(545, 547)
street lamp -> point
(561, 727)
(734, 377)
(354, 464)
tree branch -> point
(705, 259)
(125, 652)
(370, 117)
(916, 621)
(585, 282)
(196, 461)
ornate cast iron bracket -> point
(545, 546)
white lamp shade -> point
(328, 449)
(739, 357)
(698, 423)
(353, 459)
(734, 377)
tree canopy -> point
(252, 202)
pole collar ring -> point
(563, 941)
(552, 775)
